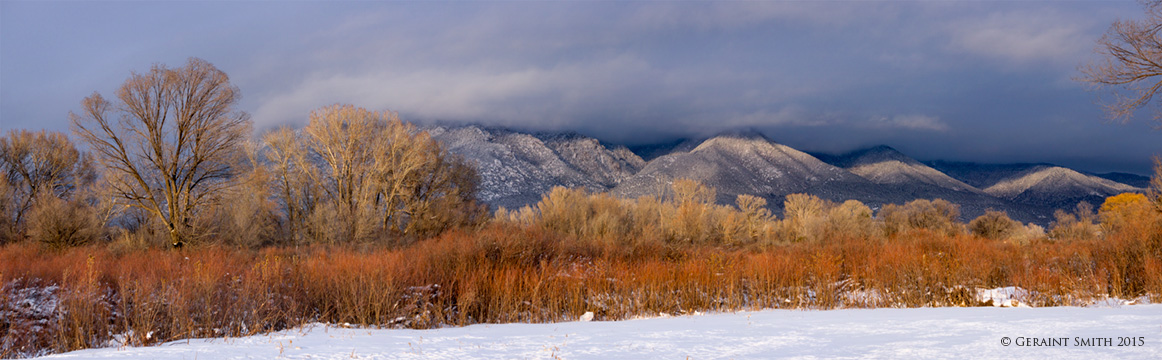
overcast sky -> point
(972, 81)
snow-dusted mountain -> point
(737, 164)
(1039, 185)
(607, 166)
(902, 179)
(1055, 186)
(885, 165)
(751, 164)
(981, 176)
(517, 168)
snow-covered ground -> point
(978, 332)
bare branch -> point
(1131, 65)
(178, 140)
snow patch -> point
(852, 333)
(1009, 296)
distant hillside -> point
(654, 151)
(981, 175)
(902, 178)
(1134, 180)
(746, 164)
(1058, 187)
(517, 168)
(885, 165)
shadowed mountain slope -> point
(1134, 180)
(885, 165)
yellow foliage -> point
(1127, 212)
(1122, 201)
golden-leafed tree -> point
(1131, 63)
(1130, 213)
(171, 140)
(38, 164)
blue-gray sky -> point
(971, 81)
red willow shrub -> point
(520, 271)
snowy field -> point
(881, 333)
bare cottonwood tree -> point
(250, 218)
(419, 183)
(755, 214)
(346, 140)
(36, 164)
(374, 172)
(1131, 63)
(171, 141)
(293, 174)
(7, 224)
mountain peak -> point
(885, 165)
(873, 155)
(1057, 182)
(738, 140)
(878, 154)
(745, 134)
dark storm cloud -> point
(964, 81)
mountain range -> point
(516, 168)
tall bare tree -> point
(366, 172)
(37, 164)
(294, 179)
(417, 181)
(171, 141)
(1131, 64)
(346, 140)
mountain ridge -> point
(516, 168)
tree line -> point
(169, 160)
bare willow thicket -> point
(354, 174)
(171, 140)
(1131, 64)
(38, 164)
(1155, 191)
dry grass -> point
(572, 254)
(508, 273)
